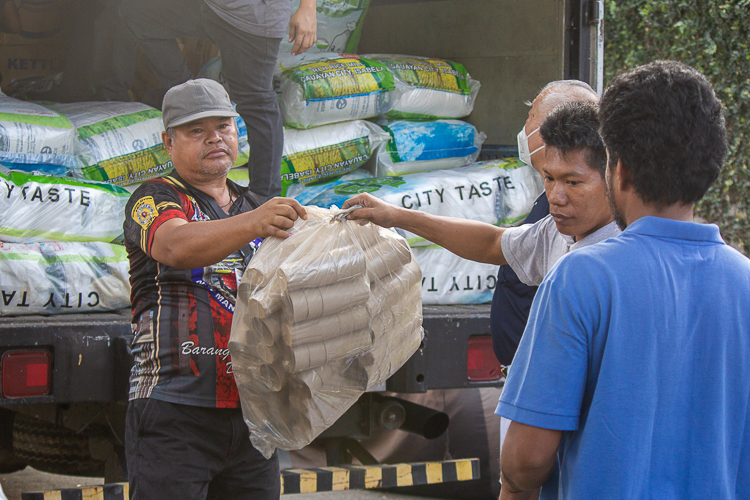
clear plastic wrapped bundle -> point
(321, 317)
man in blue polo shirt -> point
(631, 380)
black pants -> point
(185, 452)
(247, 64)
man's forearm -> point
(472, 240)
(200, 244)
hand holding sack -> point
(321, 317)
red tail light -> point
(482, 364)
(26, 373)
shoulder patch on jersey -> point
(144, 211)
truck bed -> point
(92, 360)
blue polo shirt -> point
(639, 348)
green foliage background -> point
(714, 37)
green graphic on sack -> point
(48, 119)
(506, 164)
(340, 8)
(309, 167)
(433, 74)
(390, 146)
(341, 77)
(131, 168)
(116, 123)
(368, 185)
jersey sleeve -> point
(547, 379)
(150, 206)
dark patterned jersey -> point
(182, 317)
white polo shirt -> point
(532, 249)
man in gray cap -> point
(189, 236)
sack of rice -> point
(498, 192)
(321, 317)
(118, 142)
(429, 88)
(34, 138)
(449, 279)
(329, 88)
(416, 146)
(63, 277)
(43, 208)
(326, 152)
(339, 25)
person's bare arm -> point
(303, 27)
(526, 460)
(184, 245)
(473, 240)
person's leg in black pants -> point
(247, 63)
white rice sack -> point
(326, 88)
(432, 145)
(34, 138)
(325, 152)
(499, 192)
(429, 88)
(449, 279)
(57, 277)
(339, 25)
(43, 208)
(118, 142)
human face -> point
(576, 193)
(204, 149)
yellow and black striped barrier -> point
(349, 477)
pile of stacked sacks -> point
(66, 172)
(62, 205)
(412, 150)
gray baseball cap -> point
(193, 100)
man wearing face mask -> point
(512, 298)
(573, 181)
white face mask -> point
(523, 146)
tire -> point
(8, 461)
(53, 449)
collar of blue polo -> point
(670, 228)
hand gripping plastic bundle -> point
(321, 317)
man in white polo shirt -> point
(574, 183)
